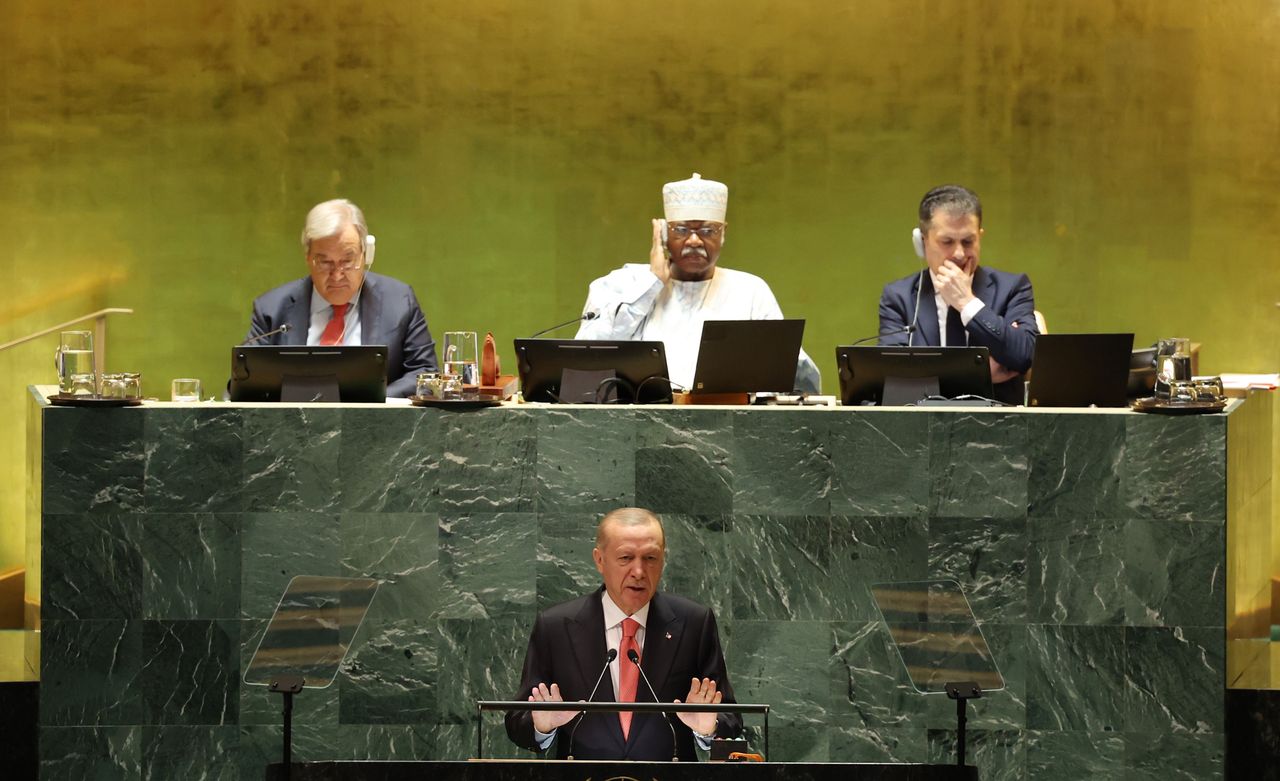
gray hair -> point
(629, 516)
(952, 199)
(330, 218)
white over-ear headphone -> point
(370, 245)
(917, 241)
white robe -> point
(631, 303)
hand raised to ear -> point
(659, 263)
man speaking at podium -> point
(343, 303)
(572, 643)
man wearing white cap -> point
(669, 299)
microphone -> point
(284, 329)
(915, 317)
(906, 329)
(609, 657)
(589, 316)
(635, 659)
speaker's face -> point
(953, 237)
(695, 247)
(630, 561)
(337, 265)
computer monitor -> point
(893, 376)
(586, 371)
(301, 373)
(1080, 370)
(748, 356)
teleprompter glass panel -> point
(311, 630)
(936, 634)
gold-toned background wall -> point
(161, 156)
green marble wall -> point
(1092, 547)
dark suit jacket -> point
(567, 647)
(389, 314)
(1007, 299)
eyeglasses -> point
(705, 232)
(341, 266)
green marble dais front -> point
(169, 534)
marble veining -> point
(880, 465)
(1075, 466)
(391, 674)
(195, 753)
(190, 672)
(91, 752)
(978, 465)
(92, 567)
(1077, 678)
(193, 460)
(191, 566)
(1077, 571)
(781, 568)
(1174, 470)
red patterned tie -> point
(337, 325)
(628, 673)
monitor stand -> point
(306, 389)
(588, 386)
(901, 391)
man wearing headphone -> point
(343, 303)
(954, 302)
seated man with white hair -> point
(341, 302)
(681, 287)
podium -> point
(562, 770)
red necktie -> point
(337, 324)
(628, 673)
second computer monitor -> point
(893, 376)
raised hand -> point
(659, 264)
(548, 721)
(701, 691)
(955, 283)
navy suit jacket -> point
(1007, 300)
(389, 314)
(567, 647)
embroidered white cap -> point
(695, 199)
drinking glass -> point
(462, 357)
(1183, 391)
(185, 389)
(1209, 389)
(1173, 364)
(124, 385)
(74, 361)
